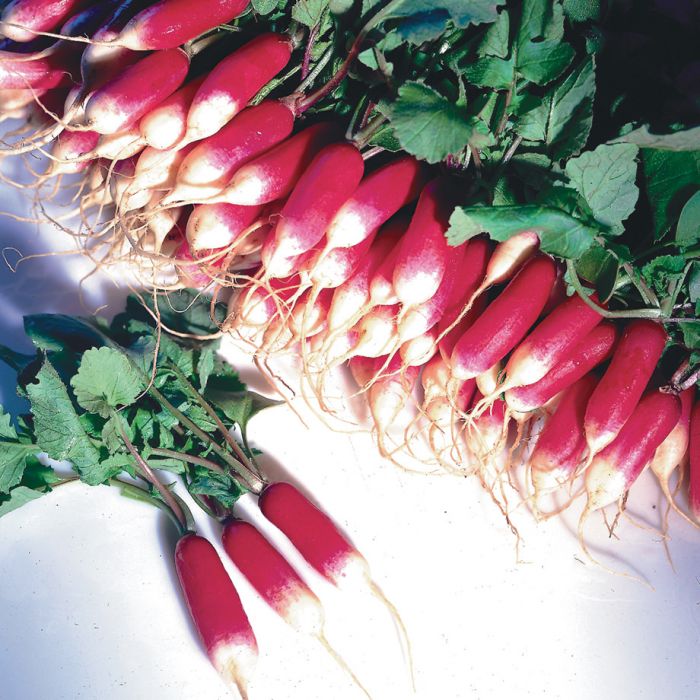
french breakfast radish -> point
(136, 90)
(377, 198)
(694, 462)
(219, 225)
(328, 270)
(505, 321)
(216, 610)
(211, 164)
(274, 174)
(171, 23)
(41, 73)
(591, 351)
(550, 342)
(616, 467)
(423, 250)
(329, 180)
(23, 19)
(624, 382)
(231, 84)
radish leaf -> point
(17, 498)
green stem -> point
(191, 459)
(363, 136)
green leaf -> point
(57, 426)
(13, 461)
(112, 433)
(688, 229)
(560, 234)
(309, 12)
(496, 39)
(219, 486)
(582, 10)
(543, 61)
(671, 178)
(686, 140)
(694, 282)
(571, 112)
(240, 408)
(106, 380)
(532, 115)
(205, 366)
(605, 178)
(491, 72)
(601, 268)
(428, 125)
(17, 498)
(38, 476)
(691, 335)
(56, 332)
(264, 7)
(662, 271)
(7, 430)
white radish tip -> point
(547, 481)
(235, 660)
(605, 484)
(303, 612)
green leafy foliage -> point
(688, 229)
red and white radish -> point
(694, 464)
(219, 225)
(23, 19)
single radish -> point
(158, 169)
(216, 610)
(33, 16)
(561, 445)
(68, 151)
(171, 23)
(309, 314)
(284, 266)
(594, 349)
(165, 125)
(550, 342)
(616, 467)
(211, 164)
(277, 583)
(486, 434)
(123, 144)
(274, 174)
(42, 73)
(505, 321)
(423, 253)
(331, 177)
(694, 468)
(330, 270)
(257, 305)
(419, 350)
(219, 225)
(234, 81)
(378, 197)
(353, 295)
(487, 382)
(376, 332)
(672, 451)
(624, 382)
(136, 90)
(381, 285)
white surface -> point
(89, 606)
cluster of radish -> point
(215, 605)
(330, 256)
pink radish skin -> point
(34, 16)
(486, 433)
(274, 174)
(257, 306)
(309, 315)
(550, 342)
(623, 383)
(505, 321)
(284, 266)
(277, 583)
(694, 469)
(134, 92)
(561, 445)
(353, 295)
(42, 73)
(379, 196)
(389, 395)
(423, 254)
(615, 468)
(69, 149)
(165, 125)
(330, 179)
(330, 270)
(219, 225)
(594, 349)
(216, 610)
(211, 164)
(171, 23)
(231, 84)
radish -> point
(278, 584)
(219, 225)
(136, 90)
(419, 350)
(158, 169)
(550, 342)
(41, 73)
(324, 186)
(616, 467)
(309, 314)
(562, 443)
(123, 144)
(505, 321)
(423, 252)
(379, 196)
(257, 306)
(488, 382)
(216, 610)
(486, 433)
(623, 383)
(330, 270)
(210, 165)
(694, 470)
(376, 332)
(68, 151)
(672, 451)
(35, 16)
(594, 349)
(171, 23)
(231, 84)
(165, 125)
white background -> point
(89, 606)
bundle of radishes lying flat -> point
(448, 202)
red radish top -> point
(136, 90)
(312, 532)
(624, 382)
(37, 15)
(171, 23)
(216, 608)
(272, 576)
(694, 471)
